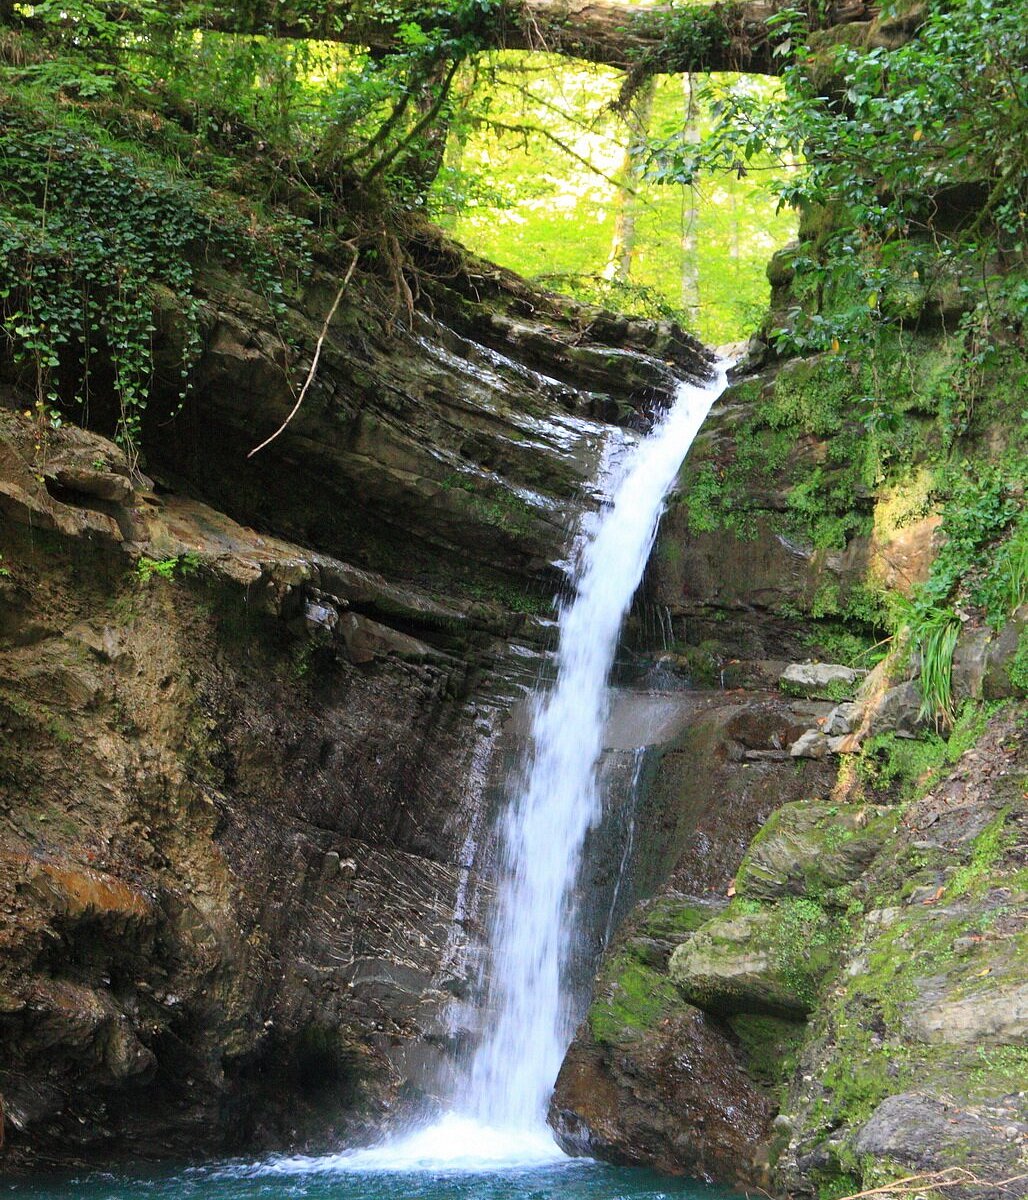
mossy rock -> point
(764, 960)
(770, 1045)
(808, 849)
(631, 998)
(673, 918)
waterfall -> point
(558, 801)
(498, 1116)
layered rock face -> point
(247, 782)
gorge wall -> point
(248, 782)
(826, 993)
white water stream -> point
(500, 1119)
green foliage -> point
(166, 568)
(983, 508)
(1018, 670)
(87, 236)
(980, 505)
(1002, 587)
(546, 158)
(872, 136)
(935, 636)
(837, 642)
(910, 767)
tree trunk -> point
(690, 277)
(619, 266)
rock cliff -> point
(829, 997)
(252, 709)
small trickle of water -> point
(629, 844)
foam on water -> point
(453, 1144)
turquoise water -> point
(574, 1179)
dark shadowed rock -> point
(676, 1099)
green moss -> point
(836, 1187)
(670, 917)
(632, 998)
(512, 597)
(999, 1069)
(770, 1046)
(702, 663)
(975, 877)
(1017, 672)
(834, 641)
(806, 945)
(809, 396)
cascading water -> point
(544, 829)
(499, 1117)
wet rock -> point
(820, 680)
(699, 845)
(808, 848)
(367, 640)
(124, 1055)
(676, 1100)
(320, 620)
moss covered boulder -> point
(812, 849)
(762, 959)
(653, 1080)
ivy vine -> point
(87, 236)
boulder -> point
(996, 683)
(995, 1015)
(970, 661)
(772, 960)
(808, 848)
(367, 640)
(923, 1132)
(897, 710)
(829, 681)
(675, 1099)
(843, 719)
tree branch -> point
(729, 36)
(317, 352)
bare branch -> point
(317, 351)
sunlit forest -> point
(548, 172)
